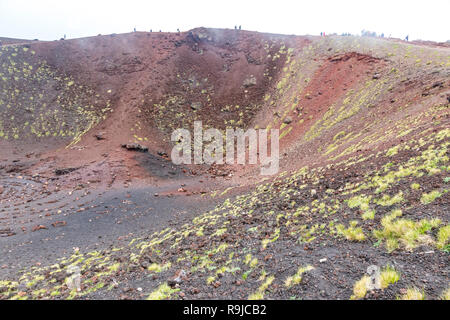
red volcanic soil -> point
(136, 71)
(332, 80)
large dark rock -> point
(135, 147)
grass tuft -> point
(259, 294)
(388, 276)
(443, 237)
(407, 232)
(164, 291)
(413, 294)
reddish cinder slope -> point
(141, 86)
(84, 98)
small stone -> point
(195, 291)
(287, 120)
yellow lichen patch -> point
(431, 196)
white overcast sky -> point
(51, 19)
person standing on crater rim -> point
(407, 38)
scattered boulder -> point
(135, 147)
